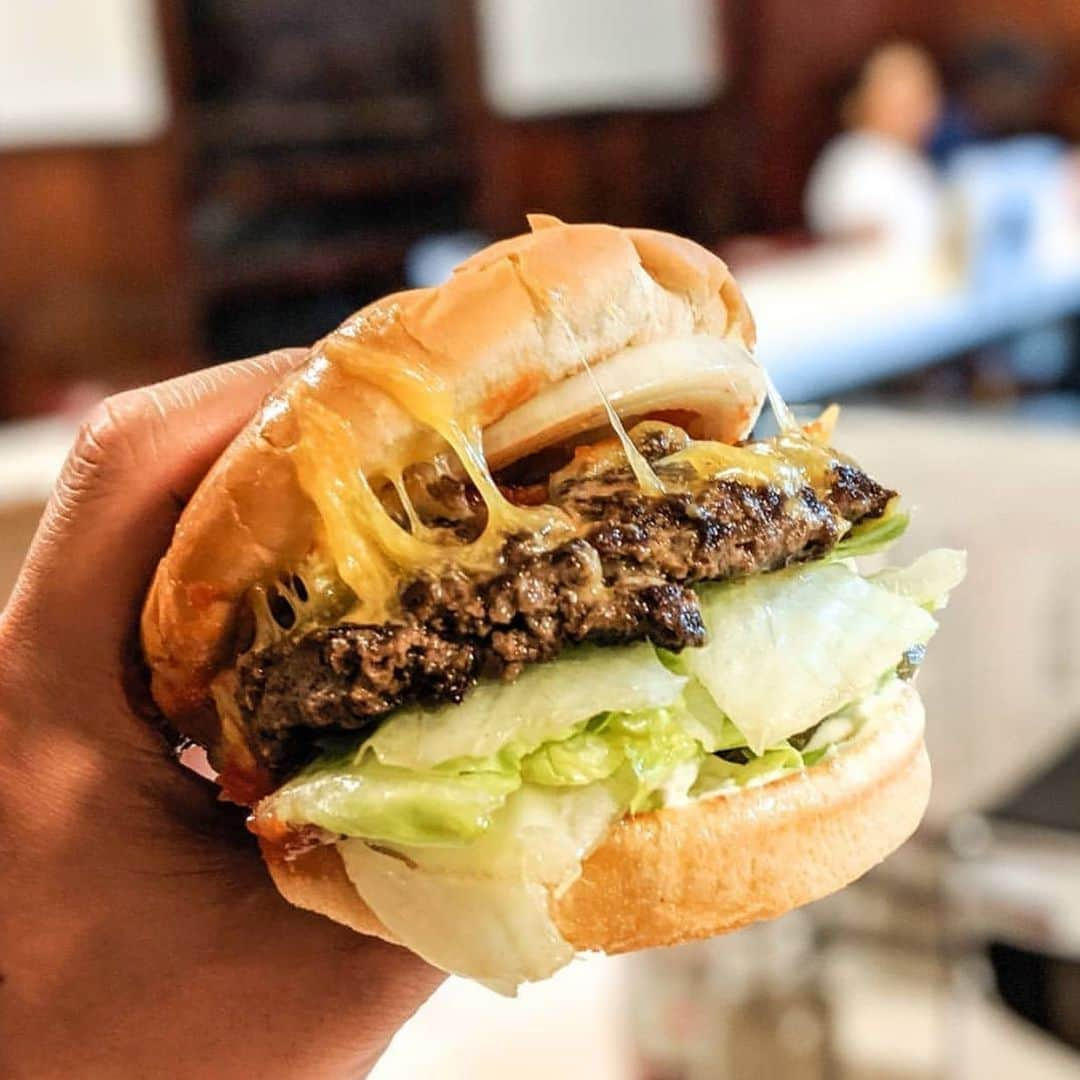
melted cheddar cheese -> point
(366, 552)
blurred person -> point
(875, 180)
(139, 932)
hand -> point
(140, 934)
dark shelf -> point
(270, 124)
(253, 185)
(320, 265)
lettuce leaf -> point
(384, 802)
(483, 910)
(561, 823)
(787, 649)
(707, 722)
(873, 536)
(546, 703)
(928, 580)
(654, 745)
(650, 746)
(437, 776)
(580, 759)
(717, 774)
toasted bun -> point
(714, 865)
(508, 334)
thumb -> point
(136, 461)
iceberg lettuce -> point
(716, 774)
(546, 703)
(928, 580)
(873, 536)
(459, 823)
(787, 649)
(483, 910)
(436, 776)
(384, 802)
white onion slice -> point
(713, 378)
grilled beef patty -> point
(625, 577)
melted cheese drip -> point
(416, 526)
(643, 472)
(373, 553)
(790, 462)
(648, 481)
(267, 629)
(785, 418)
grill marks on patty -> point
(625, 577)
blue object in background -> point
(955, 132)
(1002, 187)
(431, 261)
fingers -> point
(136, 460)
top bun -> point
(507, 334)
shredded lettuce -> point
(716, 774)
(455, 802)
(654, 745)
(436, 776)
(580, 759)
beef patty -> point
(625, 577)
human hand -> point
(140, 934)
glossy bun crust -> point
(711, 866)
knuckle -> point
(94, 437)
(108, 440)
(108, 437)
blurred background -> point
(897, 186)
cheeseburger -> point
(516, 643)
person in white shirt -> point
(875, 180)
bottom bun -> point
(714, 865)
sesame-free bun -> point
(714, 865)
(508, 334)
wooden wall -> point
(742, 163)
(94, 278)
(666, 169)
(1054, 24)
(97, 280)
(738, 165)
(94, 271)
(1051, 21)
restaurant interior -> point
(896, 185)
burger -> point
(516, 643)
